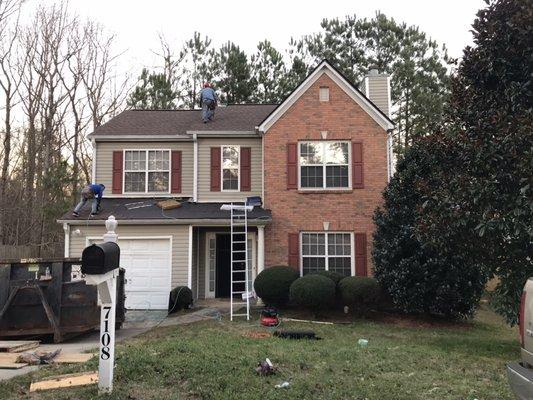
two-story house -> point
(319, 161)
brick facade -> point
(294, 211)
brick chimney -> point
(376, 87)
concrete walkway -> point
(137, 323)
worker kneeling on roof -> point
(93, 192)
(208, 102)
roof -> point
(236, 117)
(326, 67)
(146, 209)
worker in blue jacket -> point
(93, 192)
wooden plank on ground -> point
(67, 358)
(8, 357)
(62, 381)
(17, 346)
(4, 365)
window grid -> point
(327, 252)
(230, 170)
(319, 172)
(146, 171)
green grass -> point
(212, 360)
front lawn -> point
(214, 360)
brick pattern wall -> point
(294, 211)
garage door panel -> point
(147, 263)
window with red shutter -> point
(292, 166)
(246, 169)
(360, 254)
(215, 169)
(175, 179)
(357, 165)
(118, 157)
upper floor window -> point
(146, 171)
(323, 93)
(324, 165)
(230, 168)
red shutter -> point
(215, 169)
(360, 254)
(175, 171)
(292, 165)
(117, 172)
(294, 250)
(246, 169)
(357, 165)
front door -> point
(223, 268)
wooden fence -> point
(54, 250)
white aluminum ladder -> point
(239, 260)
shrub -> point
(180, 297)
(334, 276)
(359, 292)
(272, 284)
(313, 291)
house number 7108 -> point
(105, 337)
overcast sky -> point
(137, 23)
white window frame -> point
(326, 255)
(323, 94)
(222, 168)
(324, 165)
(146, 171)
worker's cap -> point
(206, 84)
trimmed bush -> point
(359, 292)
(180, 297)
(334, 276)
(313, 291)
(272, 284)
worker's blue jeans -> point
(94, 205)
(207, 113)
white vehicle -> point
(521, 373)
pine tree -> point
(269, 72)
(153, 92)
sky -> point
(137, 23)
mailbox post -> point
(100, 265)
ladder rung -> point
(238, 242)
(239, 282)
(239, 261)
(239, 292)
(238, 251)
(240, 302)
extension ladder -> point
(240, 272)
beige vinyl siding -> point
(204, 169)
(378, 93)
(180, 241)
(104, 161)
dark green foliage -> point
(154, 92)
(485, 199)
(314, 292)
(418, 277)
(359, 292)
(180, 298)
(272, 284)
(334, 276)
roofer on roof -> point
(208, 102)
(94, 192)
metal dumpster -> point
(42, 297)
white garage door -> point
(148, 272)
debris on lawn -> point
(307, 320)
(265, 368)
(282, 385)
(257, 335)
(16, 346)
(362, 342)
(61, 381)
(296, 335)
(38, 357)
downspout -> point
(195, 168)
(93, 166)
(262, 136)
(66, 229)
(389, 155)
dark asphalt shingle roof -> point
(240, 117)
(126, 209)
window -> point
(146, 171)
(323, 94)
(327, 252)
(230, 168)
(324, 165)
